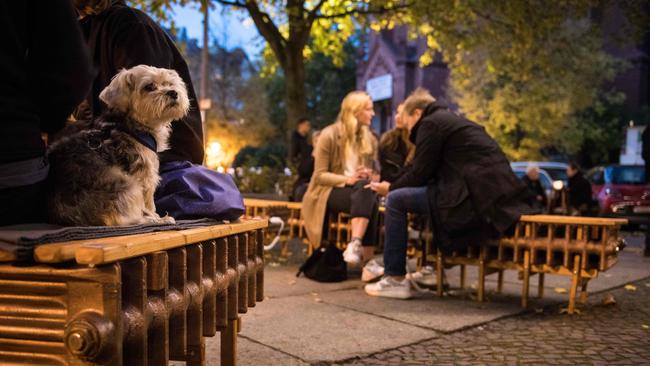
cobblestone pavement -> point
(616, 334)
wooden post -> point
(524, 295)
(540, 286)
(575, 279)
(500, 281)
(439, 272)
(481, 274)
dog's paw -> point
(167, 220)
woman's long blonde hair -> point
(356, 138)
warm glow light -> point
(215, 156)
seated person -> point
(579, 191)
(531, 179)
(395, 149)
(45, 72)
(344, 157)
(459, 177)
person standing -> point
(45, 71)
(121, 37)
(300, 155)
(645, 153)
(579, 191)
(459, 177)
(344, 162)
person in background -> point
(579, 191)
(531, 179)
(121, 37)
(300, 155)
(395, 149)
(645, 153)
(459, 177)
(344, 161)
(45, 72)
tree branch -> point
(381, 10)
(231, 3)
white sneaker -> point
(389, 287)
(353, 252)
(424, 277)
(372, 271)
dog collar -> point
(146, 139)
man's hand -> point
(381, 188)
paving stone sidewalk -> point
(617, 334)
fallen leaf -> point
(318, 299)
(274, 264)
(645, 326)
(609, 300)
(560, 290)
(630, 287)
(292, 282)
(314, 293)
(566, 311)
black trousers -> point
(358, 202)
(24, 204)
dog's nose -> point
(172, 94)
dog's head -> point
(147, 94)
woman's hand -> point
(381, 188)
(351, 181)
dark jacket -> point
(392, 161)
(300, 154)
(579, 191)
(473, 193)
(122, 37)
(645, 152)
(45, 72)
(535, 189)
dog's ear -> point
(118, 93)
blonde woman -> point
(344, 159)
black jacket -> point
(393, 161)
(473, 193)
(122, 37)
(45, 71)
(579, 191)
(535, 189)
(300, 155)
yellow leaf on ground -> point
(645, 326)
(630, 287)
(560, 290)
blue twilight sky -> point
(230, 29)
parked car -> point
(621, 190)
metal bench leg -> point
(526, 285)
(462, 276)
(439, 273)
(540, 286)
(583, 291)
(575, 280)
(481, 275)
(500, 282)
(229, 344)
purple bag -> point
(189, 191)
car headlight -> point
(558, 185)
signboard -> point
(380, 88)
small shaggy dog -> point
(106, 173)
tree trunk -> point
(294, 73)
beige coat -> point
(328, 173)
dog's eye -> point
(149, 87)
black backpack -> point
(325, 265)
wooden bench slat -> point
(101, 253)
(572, 220)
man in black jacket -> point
(121, 37)
(459, 176)
(300, 155)
(579, 190)
(45, 71)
